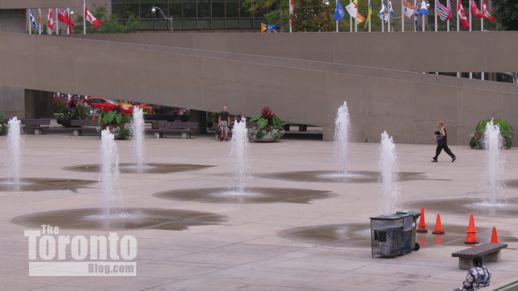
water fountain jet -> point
(137, 129)
(342, 128)
(388, 168)
(494, 164)
(14, 150)
(110, 184)
(239, 156)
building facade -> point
(190, 14)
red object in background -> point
(105, 105)
(494, 236)
(421, 227)
(471, 233)
(438, 225)
(474, 10)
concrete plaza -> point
(277, 245)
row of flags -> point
(63, 16)
(444, 12)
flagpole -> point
(389, 8)
(423, 24)
(415, 16)
(458, 19)
(290, 9)
(369, 14)
(337, 28)
(57, 22)
(28, 21)
(435, 14)
(481, 19)
(40, 22)
(470, 24)
(382, 20)
(84, 17)
(68, 24)
(402, 17)
(350, 19)
(470, 15)
(482, 74)
(470, 29)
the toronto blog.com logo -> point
(51, 253)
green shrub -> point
(116, 121)
(506, 131)
(265, 124)
(3, 126)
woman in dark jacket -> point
(441, 137)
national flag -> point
(40, 22)
(443, 11)
(423, 10)
(486, 13)
(389, 8)
(461, 14)
(474, 10)
(292, 7)
(34, 24)
(50, 21)
(339, 11)
(369, 14)
(408, 9)
(291, 11)
(91, 18)
(383, 12)
(268, 27)
(66, 18)
(352, 9)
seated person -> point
(478, 277)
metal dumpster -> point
(392, 235)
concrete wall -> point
(409, 51)
(12, 102)
(404, 103)
(22, 4)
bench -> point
(302, 127)
(81, 124)
(161, 127)
(513, 286)
(36, 124)
(489, 253)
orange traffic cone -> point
(471, 233)
(421, 227)
(494, 236)
(438, 225)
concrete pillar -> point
(13, 20)
(201, 118)
(38, 104)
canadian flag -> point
(50, 21)
(66, 18)
(91, 18)
(474, 10)
(486, 12)
(463, 20)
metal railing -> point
(200, 23)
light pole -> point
(154, 9)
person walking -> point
(441, 137)
(478, 277)
(224, 123)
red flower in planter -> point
(267, 112)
